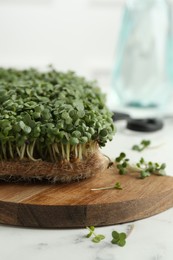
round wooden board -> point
(75, 205)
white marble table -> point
(151, 238)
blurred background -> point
(80, 35)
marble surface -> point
(150, 239)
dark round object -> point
(120, 116)
(145, 125)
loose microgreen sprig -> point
(96, 238)
(143, 145)
(119, 238)
(148, 168)
(122, 163)
(116, 186)
(144, 168)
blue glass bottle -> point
(143, 74)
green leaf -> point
(79, 105)
(163, 166)
(135, 148)
(98, 238)
(115, 235)
(119, 238)
(28, 121)
(122, 155)
(24, 127)
(81, 113)
(144, 174)
(124, 164)
(89, 234)
(142, 161)
(122, 171)
(143, 144)
(118, 186)
(83, 139)
(76, 134)
(74, 140)
(65, 115)
(115, 241)
(101, 237)
(122, 236)
(119, 166)
(104, 132)
(118, 159)
(121, 243)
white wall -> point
(78, 35)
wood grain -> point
(75, 205)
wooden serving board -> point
(75, 205)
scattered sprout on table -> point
(143, 145)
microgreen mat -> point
(51, 115)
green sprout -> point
(119, 238)
(122, 163)
(116, 186)
(51, 116)
(144, 168)
(143, 145)
(148, 168)
(96, 238)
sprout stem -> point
(4, 151)
(32, 148)
(11, 150)
(63, 152)
(76, 152)
(56, 148)
(68, 152)
(50, 153)
(22, 151)
(54, 152)
(80, 152)
(104, 188)
(28, 153)
(18, 151)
